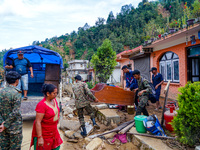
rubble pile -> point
(108, 119)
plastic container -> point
(140, 128)
(169, 116)
(131, 109)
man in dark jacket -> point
(157, 80)
(131, 82)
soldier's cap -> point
(78, 77)
(153, 68)
(20, 52)
(136, 72)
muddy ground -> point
(27, 129)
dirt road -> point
(27, 131)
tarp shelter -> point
(42, 60)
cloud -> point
(23, 21)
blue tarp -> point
(35, 54)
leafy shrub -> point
(187, 122)
(90, 86)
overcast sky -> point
(25, 21)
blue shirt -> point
(157, 79)
(21, 65)
(131, 82)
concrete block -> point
(69, 124)
(70, 134)
(101, 106)
(78, 135)
(147, 143)
(106, 115)
(68, 110)
(94, 144)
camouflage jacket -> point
(82, 94)
(10, 102)
(143, 84)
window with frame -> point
(169, 67)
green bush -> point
(90, 86)
(187, 122)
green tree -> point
(196, 10)
(100, 21)
(104, 61)
(110, 17)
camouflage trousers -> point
(89, 110)
(10, 141)
(142, 106)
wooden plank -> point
(153, 136)
(120, 127)
(165, 102)
(126, 129)
(114, 95)
(52, 72)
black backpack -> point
(152, 97)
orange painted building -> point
(177, 58)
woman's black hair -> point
(48, 88)
(12, 77)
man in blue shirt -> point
(21, 65)
(157, 80)
(131, 82)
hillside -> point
(126, 30)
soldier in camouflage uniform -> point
(144, 89)
(10, 116)
(82, 96)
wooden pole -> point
(117, 129)
(153, 136)
(166, 97)
(127, 128)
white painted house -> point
(78, 67)
(116, 74)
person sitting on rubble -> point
(144, 89)
(45, 133)
(82, 102)
(131, 82)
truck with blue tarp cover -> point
(46, 64)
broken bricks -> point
(94, 144)
(69, 124)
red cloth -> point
(49, 123)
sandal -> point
(25, 98)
